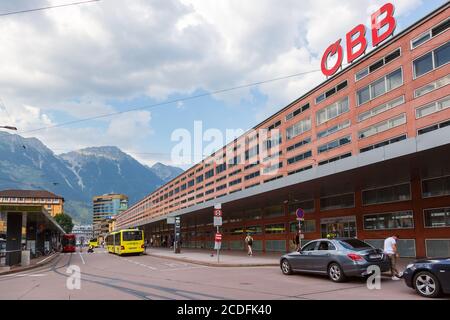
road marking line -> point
(82, 258)
(44, 259)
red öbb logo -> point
(357, 38)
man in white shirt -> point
(390, 248)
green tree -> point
(65, 221)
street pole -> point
(218, 250)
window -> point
(395, 193)
(332, 111)
(433, 107)
(190, 183)
(221, 187)
(300, 110)
(273, 167)
(235, 173)
(432, 86)
(254, 230)
(433, 32)
(377, 65)
(307, 226)
(380, 87)
(199, 179)
(275, 228)
(436, 187)
(252, 175)
(382, 126)
(307, 206)
(389, 220)
(432, 60)
(382, 108)
(250, 153)
(383, 143)
(434, 127)
(298, 128)
(209, 174)
(346, 155)
(299, 170)
(300, 157)
(299, 144)
(331, 92)
(334, 129)
(235, 182)
(273, 142)
(334, 144)
(337, 202)
(273, 126)
(437, 218)
(311, 246)
(221, 168)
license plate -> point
(132, 248)
(375, 256)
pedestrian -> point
(297, 241)
(391, 249)
(249, 243)
(151, 242)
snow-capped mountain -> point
(26, 163)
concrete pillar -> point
(13, 238)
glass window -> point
(275, 228)
(442, 55)
(378, 88)
(394, 80)
(423, 64)
(310, 246)
(387, 194)
(364, 95)
(337, 202)
(332, 111)
(436, 187)
(390, 220)
(275, 211)
(418, 41)
(437, 218)
(353, 244)
(254, 230)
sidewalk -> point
(231, 258)
(227, 258)
(34, 263)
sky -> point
(76, 62)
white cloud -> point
(75, 59)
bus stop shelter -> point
(26, 228)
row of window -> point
(422, 65)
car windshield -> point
(355, 244)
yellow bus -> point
(93, 242)
(126, 241)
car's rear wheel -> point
(336, 273)
(427, 285)
(286, 267)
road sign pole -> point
(218, 250)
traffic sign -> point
(217, 212)
(217, 221)
(218, 237)
(300, 214)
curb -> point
(212, 264)
(34, 266)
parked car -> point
(338, 258)
(429, 277)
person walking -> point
(297, 241)
(390, 248)
(249, 243)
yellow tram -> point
(127, 241)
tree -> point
(65, 221)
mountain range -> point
(26, 163)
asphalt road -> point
(106, 276)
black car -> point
(429, 277)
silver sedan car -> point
(338, 258)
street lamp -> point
(8, 127)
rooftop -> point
(17, 193)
